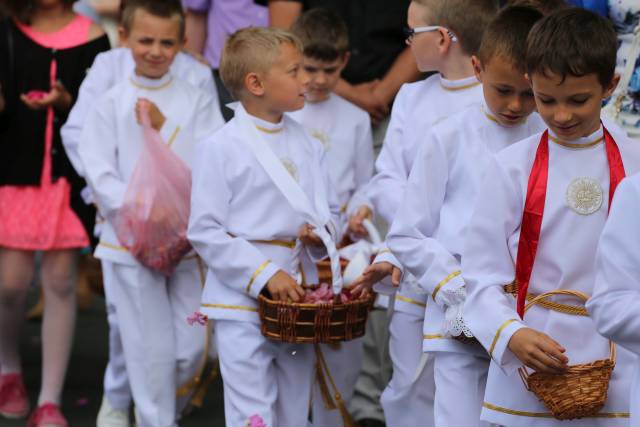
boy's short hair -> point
(573, 42)
(506, 36)
(160, 8)
(546, 7)
(251, 50)
(467, 19)
(323, 34)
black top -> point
(375, 33)
(24, 66)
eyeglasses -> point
(410, 32)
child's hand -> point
(282, 287)
(58, 98)
(372, 275)
(155, 115)
(538, 351)
(356, 220)
(308, 237)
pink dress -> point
(41, 218)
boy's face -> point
(507, 91)
(154, 42)
(570, 106)
(285, 84)
(424, 46)
(323, 76)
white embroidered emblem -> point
(323, 138)
(291, 168)
(584, 195)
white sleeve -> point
(363, 168)
(98, 80)
(387, 186)
(411, 235)
(235, 261)
(615, 304)
(489, 312)
(98, 153)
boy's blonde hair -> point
(466, 18)
(251, 50)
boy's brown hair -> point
(161, 8)
(546, 7)
(467, 19)
(251, 50)
(506, 36)
(573, 42)
(323, 34)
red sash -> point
(534, 208)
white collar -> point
(583, 142)
(460, 84)
(151, 84)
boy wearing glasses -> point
(443, 36)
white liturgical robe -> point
(428, 233)
(345, 132)
(575, 212)
(615, 303)
(242, 226)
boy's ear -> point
(444, 44)
(123, 37)
(253, 83)
(608, 91)
(477, 67)
(345, 60)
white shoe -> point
(108, 416)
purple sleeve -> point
(197, 5)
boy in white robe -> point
(615, 303)
(344, 130)
(442, 39)
(152, 309)
(248, 233)
(108, 69)
(539, 213)
(428, 231)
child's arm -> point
(97, 82)
(386, 188)
(235, 261)
(615, 304)
(359, 206)
(411, 235)
(98, 154)
(488, 266)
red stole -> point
(534, 208)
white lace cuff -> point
(454, 321)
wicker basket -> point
(313, 323)
(579, 392)
(324, 269)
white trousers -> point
(344, 363)
(408, 400)
(161, 350)
(460, 380)
(116, 380)
(263, 377)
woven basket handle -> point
(580, 295)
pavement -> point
(83, 388)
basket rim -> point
(360, 301)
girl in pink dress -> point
(45, 50)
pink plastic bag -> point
(152, 222)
